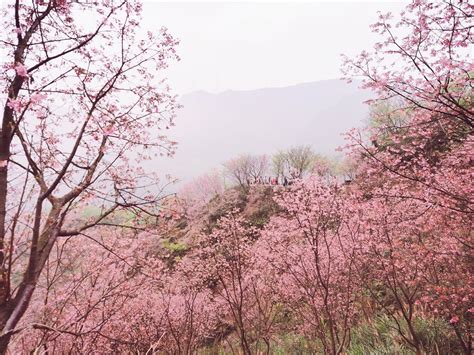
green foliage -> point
(296, 160)
(380, 336)
(118, 217)
(176, 249)
(294, 344)
(259, 220)
(388, 118)
(91, 211)
(436, 336)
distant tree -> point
(388, 115)
(294, 162)
(258, 167)
(329, 167)
(200, 190)
(247, 169)
(280, 164)
(300, 159)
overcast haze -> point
(234, 55)
(244, 46)
(215, 127)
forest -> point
(287, 253)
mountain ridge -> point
(212, 128)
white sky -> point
(248, 45)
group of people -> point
(269, 180)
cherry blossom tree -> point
(425, 74)
(225, 264)
(423, 58)
(191, 316)
(110, 292)
(80, 263)
(196, 193)
(310, 247)
(414, 166)
(86, 298)
(411, 263)
(84, 104)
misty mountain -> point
(211, 128)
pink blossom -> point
(37, 97)
(21, 70)
(14, 104)
(454, 320)
(108, 130)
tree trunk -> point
(12, 313)
(5, 141)
(4, 291)
(13, 310)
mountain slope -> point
(212, 128)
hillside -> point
(256, 207)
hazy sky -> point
(248, 45)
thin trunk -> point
(4, 292)
(466, 346)
(5, 141)
(12, 312)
